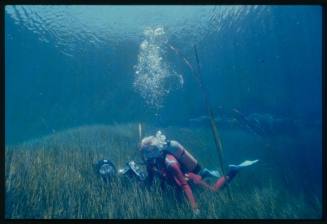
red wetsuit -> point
(170, 170)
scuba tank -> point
(184, 157)
(159, 143)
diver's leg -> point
(173, 168)
(197, 179)
(233, 170)
(204, 173)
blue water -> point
(70, 66)
(67, 66)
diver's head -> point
(152, 146)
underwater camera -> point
(132, 169)
(107, 170)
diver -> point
(173, 164)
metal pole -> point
(210, 111)
(213, 125)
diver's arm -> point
(186, 188)
(174, 168)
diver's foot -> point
(209, 173)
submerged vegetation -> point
(53, 177)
